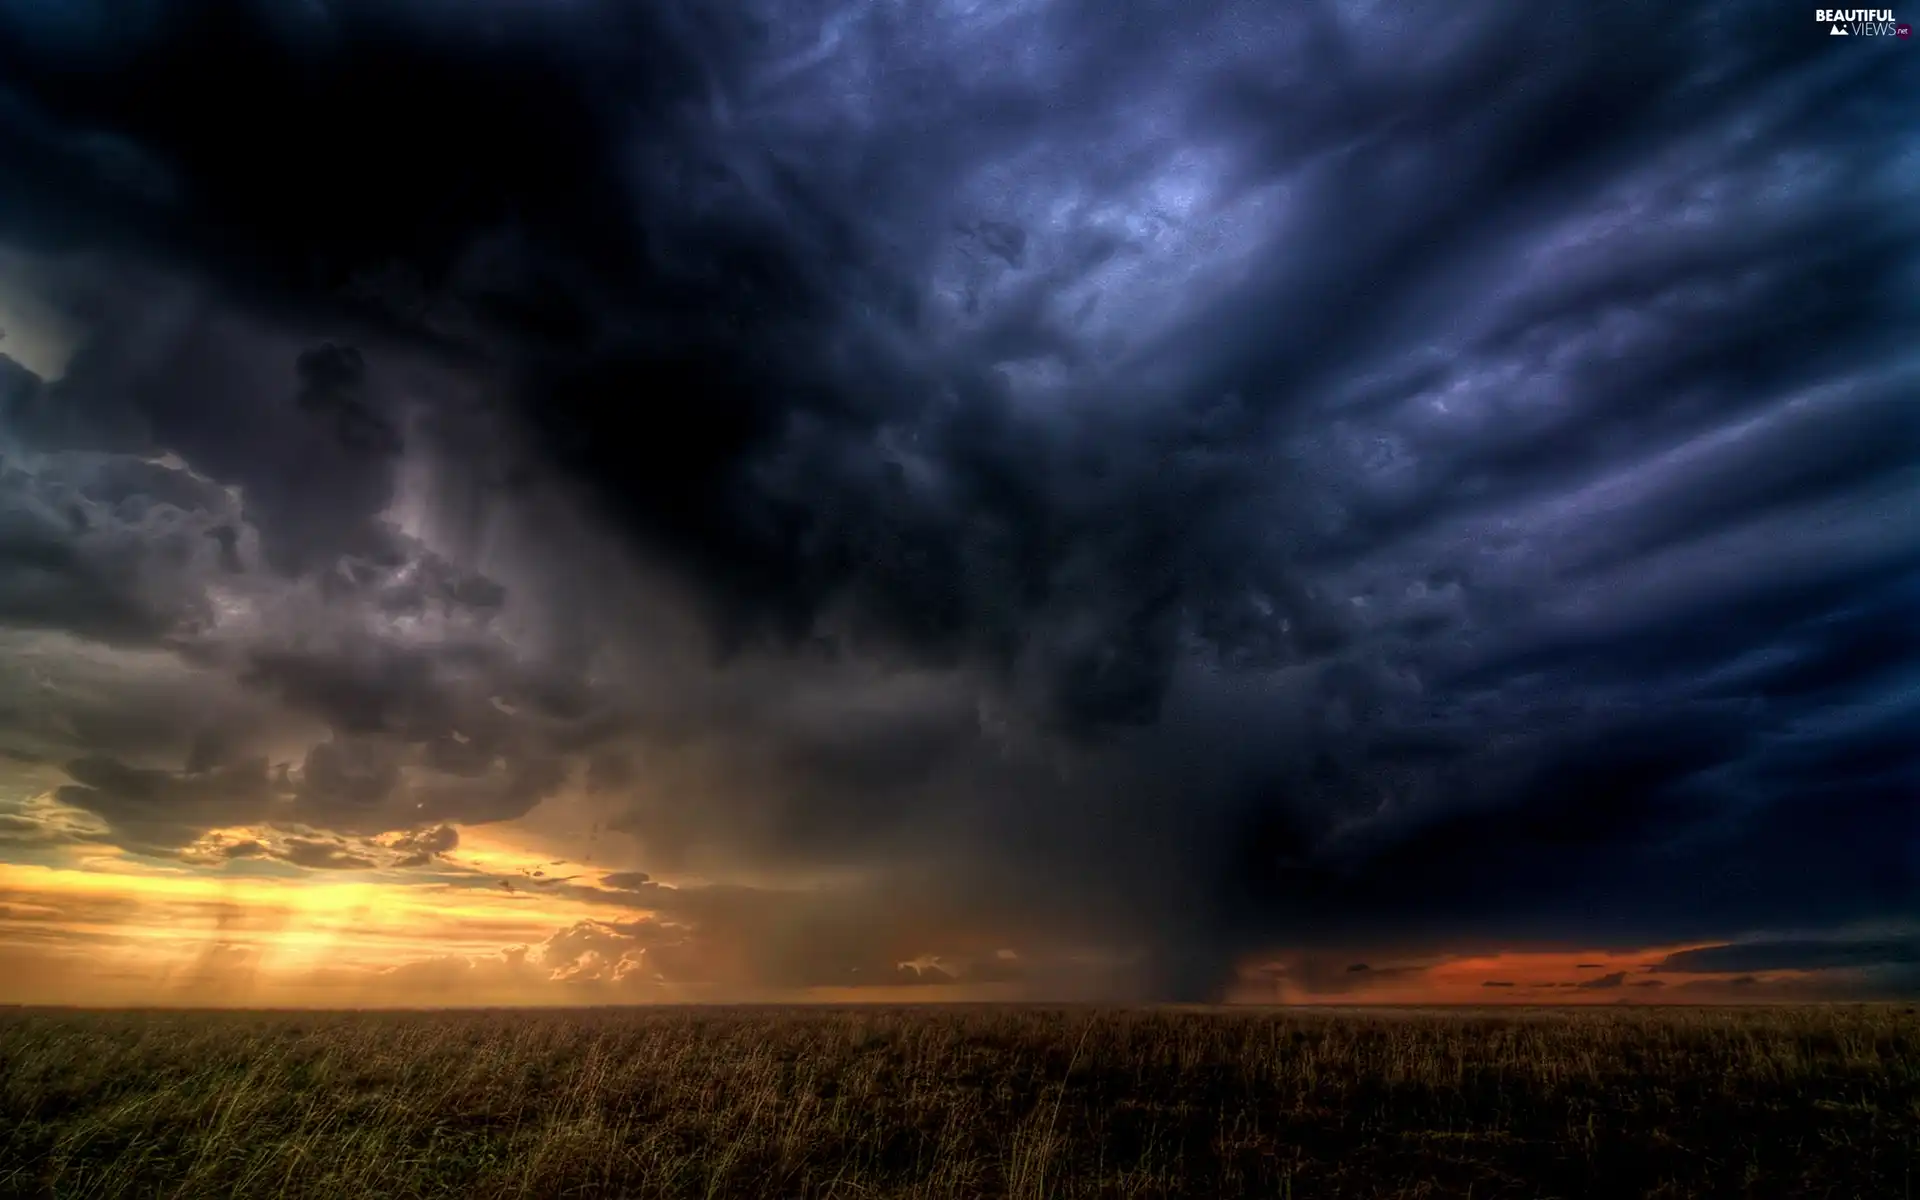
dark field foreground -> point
(963, 1102)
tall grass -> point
(1017, 1102)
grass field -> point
(1615, 1102)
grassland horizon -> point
(1067, 1100)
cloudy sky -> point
(552, 501)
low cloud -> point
(421, 847)
(324, 856)
(153, 809)
(1804, 954)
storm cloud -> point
(1805, 954)
(1100, 487)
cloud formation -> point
(1803, 954)
(1132, 494)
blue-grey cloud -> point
(1801, 954)
(1229, 477)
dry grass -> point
(962, 1103)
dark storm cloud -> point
(246, 400)
(324, 856)
(1224, 476)
(376, 785)
(1795, 955)
(422, 847)
(105, 547)
(1607, 982)
(151, 809)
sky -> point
(569, 501)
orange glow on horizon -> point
(1518, 978)
(115, 930)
